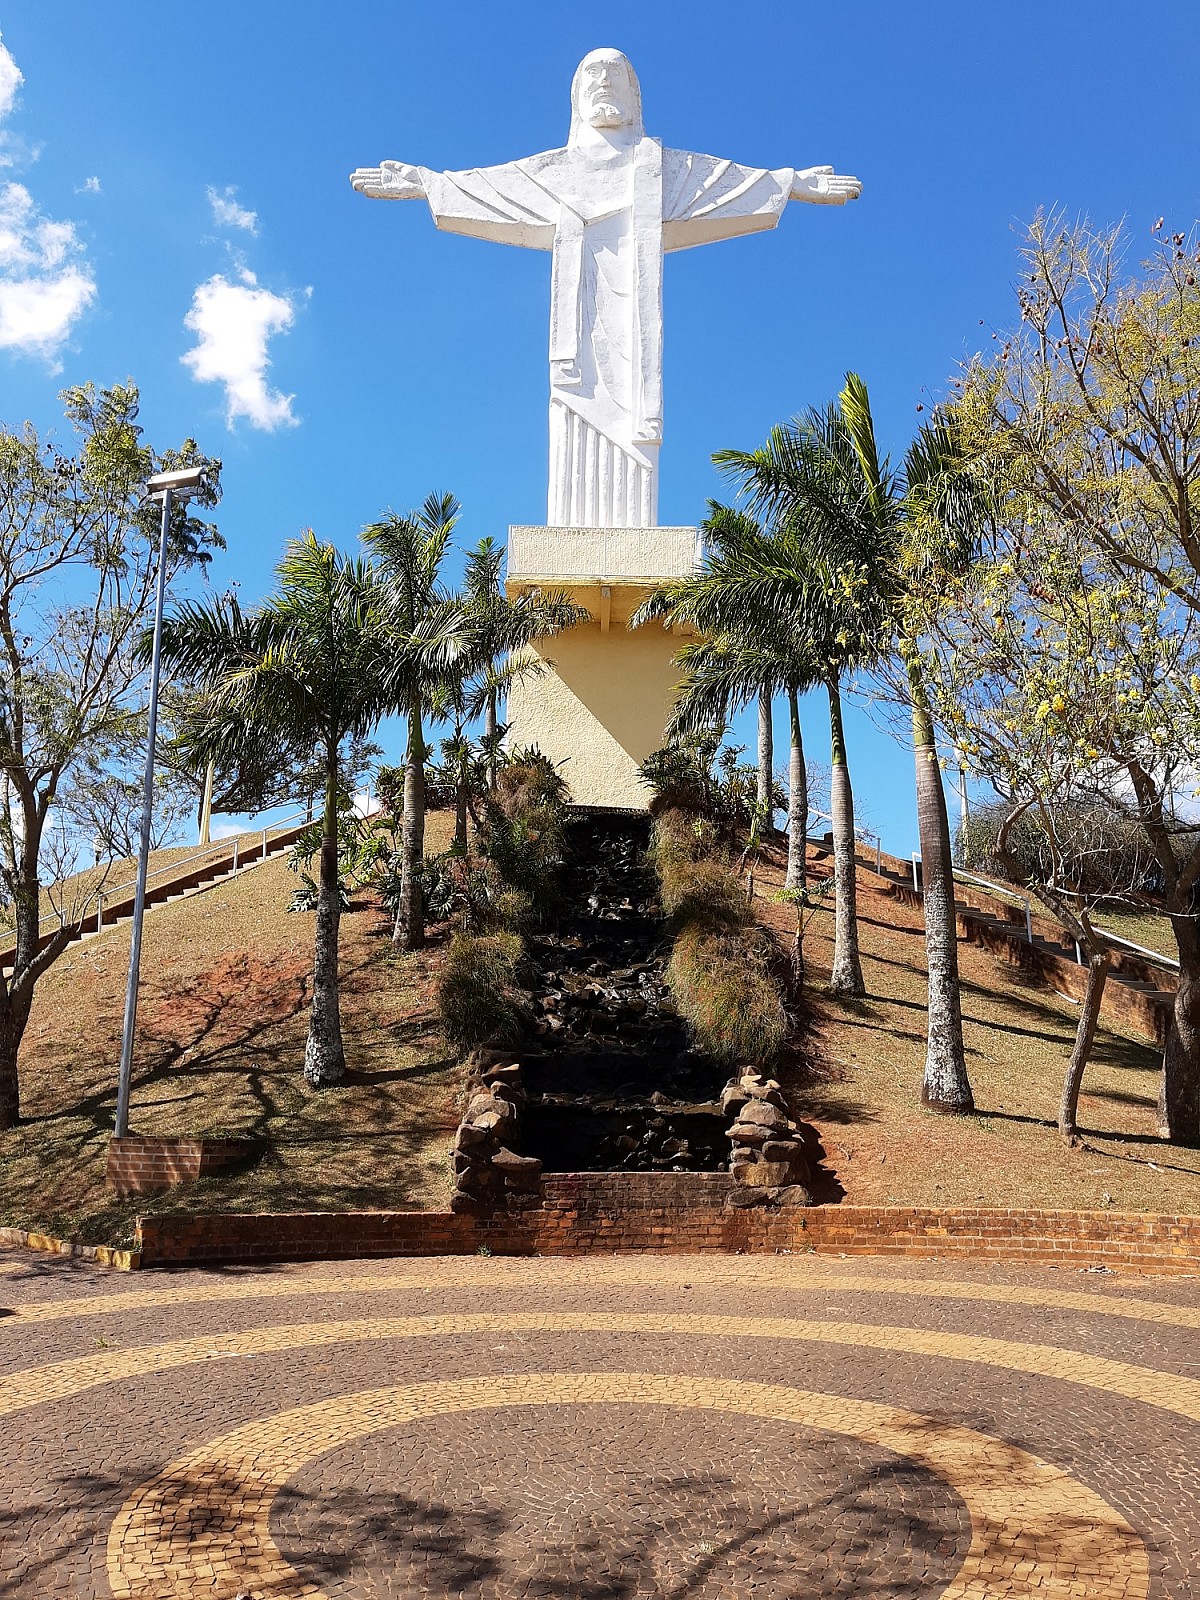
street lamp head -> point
(180, 484)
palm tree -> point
(766, 757)
(888, 536)
(311, 667)
(428, 645)
(757, 648)
(723, 674)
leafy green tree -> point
(877, 545)
(1084, 422)
(314, 666)
(78, 566)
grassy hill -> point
(223, 1019)
(862, 1077)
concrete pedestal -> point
(603, 705)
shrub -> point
(511, 910)
(680, 836)
(705, 894)
(726, 988)
(701, 774)
(524, 825)
(474, 991)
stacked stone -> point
(488, 1172)
(768, 1161)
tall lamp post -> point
(166, 487)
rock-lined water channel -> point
(612, 1082)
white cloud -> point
(233, 323)
(11, 79)
(226, 211)
(89, 186)
(45, 280)
(45, 284)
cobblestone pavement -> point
(608, 1428)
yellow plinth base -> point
(602, 705)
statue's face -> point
(605, 92)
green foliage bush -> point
(523, 829)
(726, 986)
(474, 991)
(703, 775)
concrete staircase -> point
(1137, 995)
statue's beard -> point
(607, 115)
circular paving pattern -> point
(562, 1493)
(616, 1427)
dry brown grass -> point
(221, 1031)
(864, 1077)
(221, 1038)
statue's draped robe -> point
(608, 214)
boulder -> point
(469, 1137)
(491, 1121)
(511, 1073)
(763, 1174)
(733, 1097)
(763, 1094)
(763, 1113)
(748, 1133)
(512, 1165)
(783, 1150)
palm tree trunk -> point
(489, 727)
(324, 1055)
(846, 978)
(945, 1086)
(460, 814)
(797, 866)
(766, 756)
(797, 797)
(1099, 962)
(410, 924)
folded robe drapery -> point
(608, 215)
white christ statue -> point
(608, 204)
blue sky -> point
(180, 186)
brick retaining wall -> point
(141, 1165)
(681, 1213)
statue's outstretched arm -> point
(391, 180)
(823, 186)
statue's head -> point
(605, 94)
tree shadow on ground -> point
(701, 1522)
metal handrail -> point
(108, 892)
(1155, 955)
(999, 888)
(859, 833)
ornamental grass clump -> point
(475, 992)
(725, 986)
(696, 883)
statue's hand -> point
(824, 187)
(391, 180)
